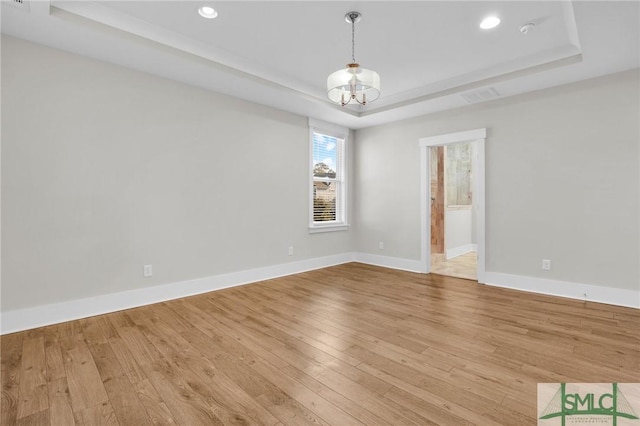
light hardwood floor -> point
(463, 266)
(348, 345)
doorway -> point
(433, 193)
(453, 240)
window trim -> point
(329, 129)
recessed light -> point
(207, 12)
(489, 22)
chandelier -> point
(353, 83)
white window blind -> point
(328, 179)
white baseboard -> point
(390, 262)
(39, 316)
(608, 295)
(460, 250)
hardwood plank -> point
(289, 411)
(352, 398)
(480, 400)
(55, 362)
(60, 411)
(33, 384)
(252, 342)
(236, 360)
(347, 345)
(439, 415)
(38, 418)
(180, 398)
(124, 400)
(430, 398)
(329, 412)
(149, 397)
(100, 414)
(85, 386)
(11, 357)
(230, 403)
(156, 378)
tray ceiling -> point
(430, 55)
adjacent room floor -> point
(348, 345)
(463, 266)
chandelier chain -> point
(353, 40)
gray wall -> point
(458, 224)
(105, 169)
(562, 181)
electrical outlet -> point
(290, 250)
(546, 264)
(380, 245)
(147, 271)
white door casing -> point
(477, 138)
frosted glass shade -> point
(353, 80)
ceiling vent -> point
(20, 4)
(481, 95)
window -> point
(459, 176)
(328, 189)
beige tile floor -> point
(463, 266)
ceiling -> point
(431, 55)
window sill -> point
(328, 228)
